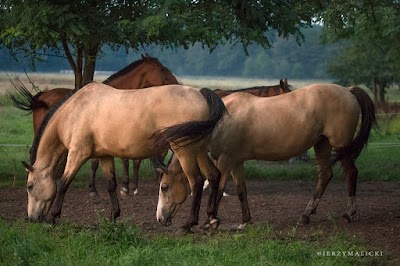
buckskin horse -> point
(260, 91)
(323, 116)
(143, 73)
(100, 122)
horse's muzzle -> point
(165, 220)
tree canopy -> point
(372, 34)
(285, 60)
(78, 29)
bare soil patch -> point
(277, 203)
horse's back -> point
(279, 127)
(127, 119)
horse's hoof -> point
(206, 226)
(241, 227)
(304, 220)
(347, 217)
(52, 220)
(135, 192)
(93, 194)
(184, 231)
(124, 191)
(214, 223)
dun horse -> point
(261, 91)
(324, 116)
(97, 121)
(143, 73)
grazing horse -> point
(143, 73)
(98, 121)
(261, 91)
(324, 116)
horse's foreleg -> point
(92, 178)
(240, 182)
(213, 175)
(196, 182)
(323, 158)
(74, 162)
(125, 182)
(351, 172)
(108, 167)
(136, 166)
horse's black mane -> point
(44, 123)
(129, 68)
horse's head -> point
(174, 189)
(285, 86)
(41, 190)
(155, 74)
(143, 73)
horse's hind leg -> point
(92, 178)
(125, 182)
(240, 182)
(213, 175)
(135, 181)
(351, 172)
(108, 167)
(323, 158)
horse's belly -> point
(124, 144)
(277, 149)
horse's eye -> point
(29, 186)
(164, 188)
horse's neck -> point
(52, 97)
(50, 149)
(38, 115)
(130, 80)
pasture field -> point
(127, 242)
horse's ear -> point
(281, 83)
(28, 168)
(147, 56)
(162, 170)
(286, 81)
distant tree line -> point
(285, 59)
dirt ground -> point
(278, 203)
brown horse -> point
(143, 73)
(261, 91)
(324, 116)
(97, 121)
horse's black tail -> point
(23, 98)
(194, 131)
(368, 120)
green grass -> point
(123, 244)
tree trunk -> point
(78, 69)
(382, 85)
(375, 90)
(90, 64)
